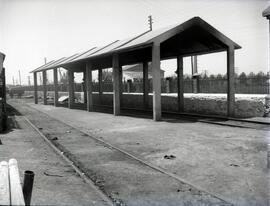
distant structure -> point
(136, 71)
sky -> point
(33, 29)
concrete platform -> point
(225, 160)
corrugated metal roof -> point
(143, 39)
(43, 66)
(266, 12)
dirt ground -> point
(55, 183)
(224, 160)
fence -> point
(250, 85)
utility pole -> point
(45, 60)
(20, 78)
(150, 22)
(29, 83)
(13, 80)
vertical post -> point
(100, 81)
(100, 85)
(70, 89)
(35, 88)
(195, 78)
(116, 85)
(89, 86)
(156, 82)
(230, 79)
(180, 83)
(28, 182)
(129, 86)
(121, 83)
(55, 81)
(145, 85)
(44, 75)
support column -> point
(55, 81)
(145, 85)
(230, 79)
(180, 84)
(89, 86)
(116, 85)
(44, 81)
(156, 82)
(70, 89)
(35, 88)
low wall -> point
(216, 104)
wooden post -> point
(230, 79)
(35, 88)
(116, 85)
(145, 85)
(180, 84)
(55, 81)
(100, 81)
(44, 75)
(156, 82)
(89, 86)
(70, 89)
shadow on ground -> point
(11, 123)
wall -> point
(246, 106)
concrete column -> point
(44, 81)
(55, 81)
(145, 85)
(70, 89)
(156, 82)
(230, 79)
(180, 84)
(35, 88)
(89, 86)
(116, 85)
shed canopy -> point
(192, 37)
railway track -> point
(209, 119)
(69, 158)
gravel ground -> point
(125, 180)
(225, 160)
(56, 183)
